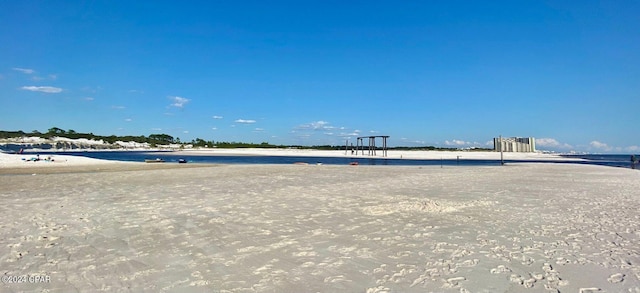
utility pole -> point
(501, 153)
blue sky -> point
(444, 73)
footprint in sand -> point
(333, 279)
(469, 263)
(515, 278)
(500, 269)
(529, 283)
(379, 289)
(616, 278)
(589, 290)
(454, 282)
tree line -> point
(164, 139)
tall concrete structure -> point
(514, 144)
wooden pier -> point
(372, 145)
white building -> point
(514, 144)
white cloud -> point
(349, 134)
(633, 148)
(178, 102)
(258, 129)
(128, 119)
(463, 143)
(117, 107)
(245, 121)
(214, 128)
(186, 131)
(89, 99)
(316, 125)
(552, 143)
(156, 129)
(600, 145)
(24, 70)
(39, 78)
(44, 89)
(456, 142)
(216, 117)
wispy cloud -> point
(216, 117)
(24, 70)
(156, 129)
(43, 89)
(89, 99)
(633, 148)
(259, 130)
(245, 121)
(118, 107)
(600, 146)
(178, 102)
(552, 143)
(39, 78)
(456, 142)
(316, 125)
(214, 128)
(350, 134)
(128, 120)
(463, 143)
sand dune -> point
(289, 228)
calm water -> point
(605, 160)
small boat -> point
(182, 161)
(157, 160)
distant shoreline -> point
(391, 154)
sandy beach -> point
(291, 228)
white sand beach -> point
(46, 160)
(292, 228)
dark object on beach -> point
(353, 163)
(158, 160)
(182, 161)
(634, 161)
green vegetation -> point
(155, 140)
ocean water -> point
(135, 156)
(615, 160)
